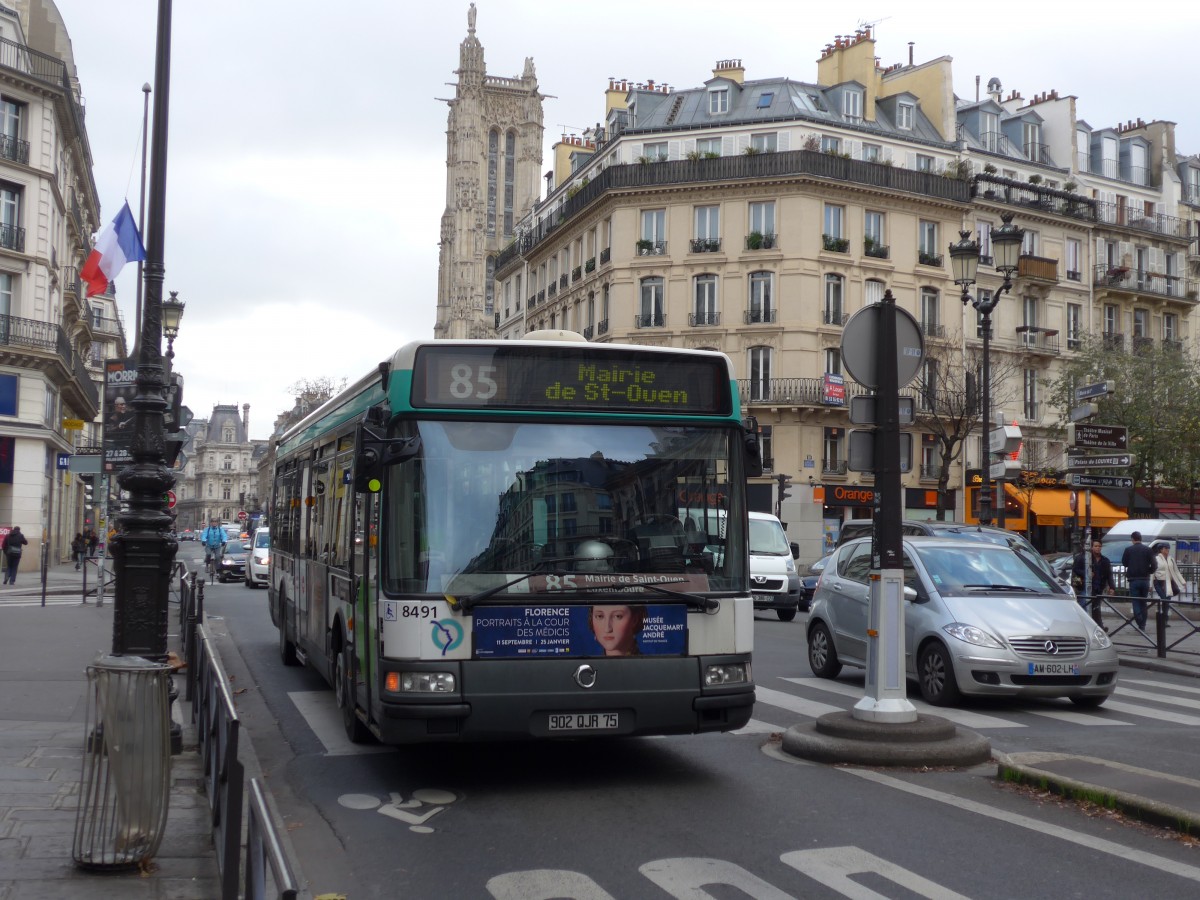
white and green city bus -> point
(482, 541)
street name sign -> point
(1088, 391)
(1099, 481)
(1098, 437)
(1113, 461)
(1086, 411)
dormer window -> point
(718, 101)
(765, 98)
(905, 113)
(852, 105)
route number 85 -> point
(467, 382)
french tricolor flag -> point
(116, 244)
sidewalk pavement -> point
(44, 653)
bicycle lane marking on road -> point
(1090, 842)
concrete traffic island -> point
(929, 741)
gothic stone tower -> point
(493, 166)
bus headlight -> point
(728, 673)
(420, 682)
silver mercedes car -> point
(980, 619)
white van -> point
(1181, 535)
(774, 579)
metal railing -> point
(213, 712)
(16, 331)
(1045, 199)
(1128, 279)
(1131, 217)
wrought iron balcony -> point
(14, 148)
(931, 472)
(602, 328)
(833, 467)
(1124, 278)
(1044, 199)
(874, 249)
(929, 259)
(704, 318)
(12, 237)
(1113, 340)
(835, 316)
(1037, 339)
(1132, 217)
(588, 331)
(562, 280)
(835, 244)
(933, 329)
(706, 245)
(590, 265)
(552, 290)
(759, 316)
(760, 241)
(1172, 346)
(17, 334)
(577, 273)
(649, 320)
(651, 248)
(605, 255)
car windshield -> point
(767, 538)
(984, 566)
(1114, 550)
(262, 539)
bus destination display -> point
(556, 378)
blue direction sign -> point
(1088, 391)
(1099, 481)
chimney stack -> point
(246, 419)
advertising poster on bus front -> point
(600, 629)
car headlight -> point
(1099, 639)
(972, 635)
(790, 566)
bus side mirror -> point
(753, 449)
(375, 453)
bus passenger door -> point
(365, 523)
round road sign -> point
(861, 356)
(170, 499)
(242, 516)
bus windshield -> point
(486, 502)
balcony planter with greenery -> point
(874, 249)
(590, 265)
(835, 244)
(645, 247)
(756, 240)
(929, 259)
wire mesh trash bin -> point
(123, 793)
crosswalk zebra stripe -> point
(962, 717)
(792, 703)
(1076, 718)
(1161, 685)
(1162, 715)
(1166, 699)
(755, 726)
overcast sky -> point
(307, 149)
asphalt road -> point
(664, 816)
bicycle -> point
(210, 566)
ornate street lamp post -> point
(144, 549)
(964, 259)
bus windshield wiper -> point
(708, 604)
(1001, 587)
(465, 603)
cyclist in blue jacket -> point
(213, 538)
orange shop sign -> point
(849, 495)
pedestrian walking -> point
(1102, 580)
(1168, 580)
(93, 541)
(13, 542)
(78, 549)
(1140, 566)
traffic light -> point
(89, 490)
(785, 486)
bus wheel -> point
(356, 731)
(287, 650)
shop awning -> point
(1052, 506)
